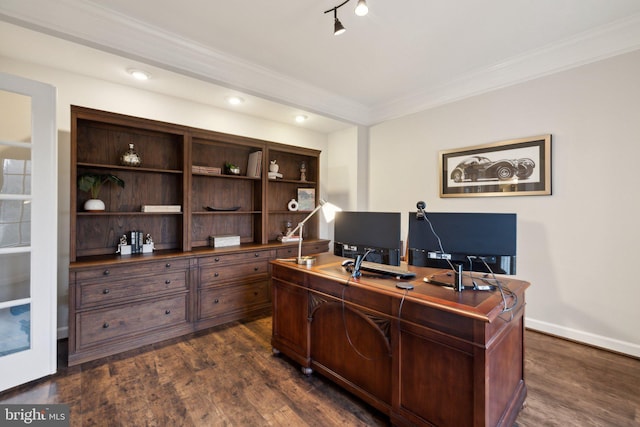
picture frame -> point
(306, 199)
(517, 167)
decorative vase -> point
(303, 172)
(94, 205)
(273, 166)
(130, 157)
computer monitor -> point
(466, 238)
(376, 234)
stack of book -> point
(285, 239)
(254, 164)
(161, 208)
(207, 170)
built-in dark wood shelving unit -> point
(118, 302)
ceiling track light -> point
(361, 10)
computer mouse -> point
(347, 262)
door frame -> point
(41, 358)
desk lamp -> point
(329, 211)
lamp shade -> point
(329, 210)
(338, 28)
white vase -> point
(94, 205)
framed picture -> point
(519, 167)
(306, 199)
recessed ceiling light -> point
(139, 74)
(301, 118)
(234, 100)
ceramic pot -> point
(94, 205)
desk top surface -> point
(480, 305)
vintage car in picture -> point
(481, 168)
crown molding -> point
(610, 40)
(93, 25)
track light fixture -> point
(361, 10)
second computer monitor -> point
(376, 234)
(484, 242)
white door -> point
(28, 230)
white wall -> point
(577, 247)
(74, 89)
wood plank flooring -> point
(228, 377)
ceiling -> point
(403, 57)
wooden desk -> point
(428, 356)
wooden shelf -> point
(126, 168)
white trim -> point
(584, 337)
(96, 26)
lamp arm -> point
(301, 223)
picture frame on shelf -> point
(518, 167)
(306, 199)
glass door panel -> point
(15, 293)
(15, 223)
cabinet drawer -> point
(307, 249)
(108, 272)
(224, 259)
(98, 326)
(288, 252)
(315, 248)
(213, 274)
(103, 292)
(214, 302)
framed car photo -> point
(519, 167)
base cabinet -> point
(121, 303)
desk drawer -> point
(214, 274)
(100, 326)
(94, 294)
(223, 300)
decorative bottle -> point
(131, 157)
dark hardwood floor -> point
(228, 377)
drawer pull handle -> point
(256, 268)
(167, 282)
(105, 291)
(105, 325)
(216, 259)
(168, 265)
(257, 255)
(216, 274)
(216, 300)
(167, 312)
(106, 272)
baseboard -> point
(588, 338)
(63, 332)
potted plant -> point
(92, 183)
(231, 169)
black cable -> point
(344, 322)
(504, 290)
